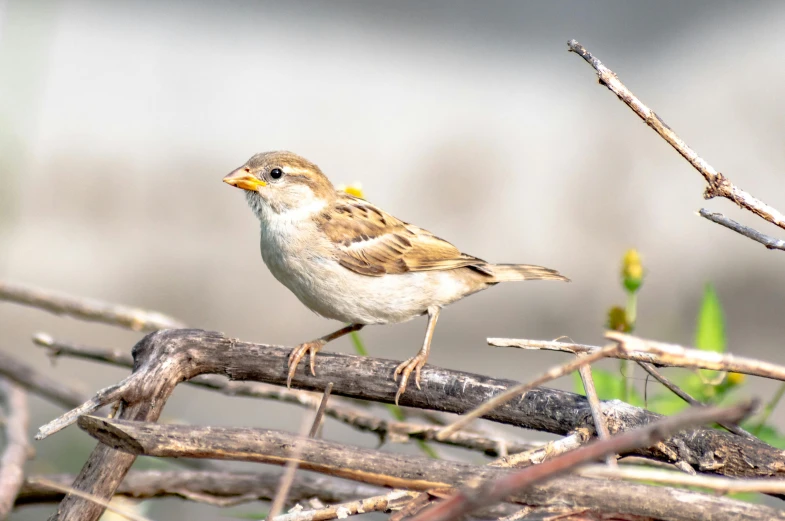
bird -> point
(348, 260)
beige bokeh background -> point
(118, 120)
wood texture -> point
(413, 472)
(167, 357)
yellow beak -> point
(242, 178)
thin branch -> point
(464, 502)
(719, 185)
(380, 503)
(768, 241)
(38, 383)
(168, 357)
(421, 473)
(596, 408)
(219, 488)
(86, 309)
(17, 445)
(550, 374)
(658, 354)
(105, 396)
(291, 467)
(337, 409)
(667, 477)
(678, 391)
(224, 489)
(95, 499)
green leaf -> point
(768, 434)
(710, 330)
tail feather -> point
(513, 272)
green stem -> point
(395, 411)
(631, 314)
(769, 408)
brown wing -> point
(373, 242)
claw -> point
(405, 370)
(297, 355)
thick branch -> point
(410, 472)
(336, 409)
(719, 185)
(17, 445)
(165, 358)
(86, 309)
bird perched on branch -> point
(348, 260)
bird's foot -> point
(405, 370)
(298, 353)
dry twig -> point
(768, 241)
(165, 358)
(547, 376)
(380, 503)
(40, 384)
(419, 473)
(667, 477)
(86, 309)
(658, 354)
(17, 445)
(291, 467)
(89, 497)
(718, 184)
(678, 391)
(337, 409)
(464, 502)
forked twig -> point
(718, 184)
(550, 374)
(466, 501)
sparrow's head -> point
(281, 181)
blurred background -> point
(119, 119)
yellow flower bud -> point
(736, 378)
(353, 189)
(632, 270)
(617, 320)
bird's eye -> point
(276, 173)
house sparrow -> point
(348, 260)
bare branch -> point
(220, 488)
(667, 477)
(381, 503)
(33, 380)
(550, 374)
(86, 309)
(768, 241)
(17, 445)
(464, 502)
(678, 391)
(420, 473)
(95, 499)
(337, 409)
(291, 466)
(167, 357)
(223, 489)
(659, 354)
(719, 185)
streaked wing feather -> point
(373, 242)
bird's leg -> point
(312, 347)
(415, 363)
